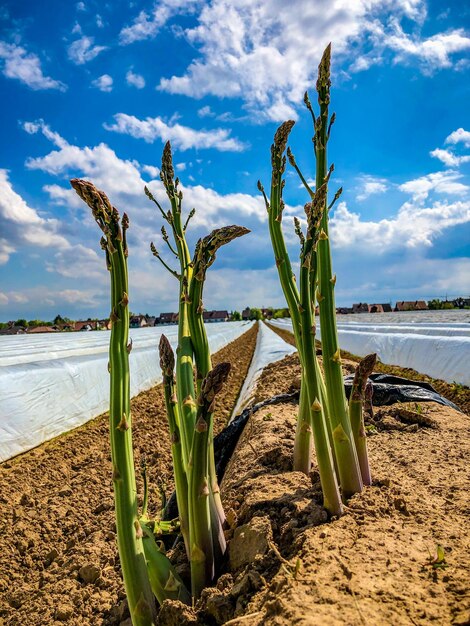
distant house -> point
(216, 316)
(138, 321)
(380, 308)
(167, 318)
(361, 307)
(267, 313)
(343, 310)
(151, 320)
(13, 330)
(85, 325)
(42, 329)
(410, 305)
(246, 313)
(65, 326)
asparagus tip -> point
(167, 357)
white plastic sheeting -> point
(438, 352)
(52, 383)
(269, 349)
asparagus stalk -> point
(303, 434)
(346, 457)
(167, 365)
(198, 494)
(274, 207)
(356, 413)
(129, 531)
(204, 257)
(202, 554)
(166, 584)
(184, 356)
(331, 494)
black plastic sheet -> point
(386, 390)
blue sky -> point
(93, 90)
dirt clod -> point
(250, 541)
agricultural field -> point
(253, 449)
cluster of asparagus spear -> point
(148, 573)
(190, 398)
(191, 384)
(324, 420)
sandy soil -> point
(58, 558)
(287, 562)
(372, 566)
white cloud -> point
(438, 182)
(44, 296)
(414, 226)
(180, 167)
(39, 125)
(449, 158)
(22, 226)
(78, 261)
(206, 111)
(265, 52)
(136, 80)
(80, 6)
(151, 170)
(83, 50)
(147, 25)
(370, 185)
(182, 137)
(122, 180)
(103, 83)
(99, 21)
(397, 244)
(459, 136)
(25, 66)
(434, 52)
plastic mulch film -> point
(441, 351)
(269, 349)
(52, 383)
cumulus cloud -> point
(206, 111)
(22, 226)
(123, 181)
(136, 80)
(19, 64)
(40, 126)
(413, 226)
(182, 137)
(449, 158)
(35, 299)
(265, 53)
(438, 182)
(398, 244)
(83, 50)
(433, 52)
(459, 136)
(370, 185)
(103, 83)
(147, 25)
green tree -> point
(255, 314)
(235, 316)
